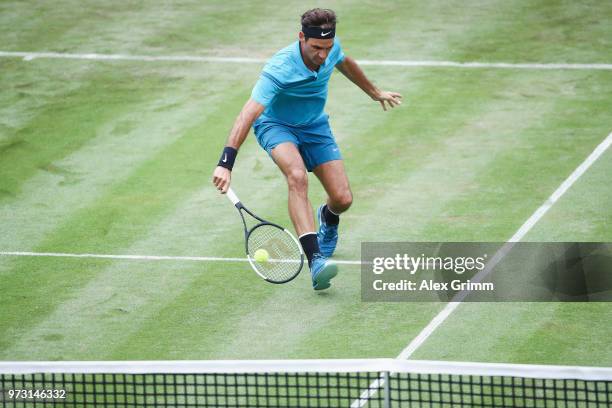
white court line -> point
(499, 255)
(28, 56)
(143, 257)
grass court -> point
(116, 156)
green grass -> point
(116, 157)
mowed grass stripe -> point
(579, 118)
(206, 222)
(152, 27)
(412, 30)
(592, 196)
(441, 145)
(119, 216)
(28, 91)
(125, 300)
(67, 119)
(415, 30)
(126, 26)
(206, 313)
(546, 333)
(230, 28)
(538, 333)
(517, 31)
(441, 231)
(118, 146)
(539, 30)
(571, 123)
(543, 332)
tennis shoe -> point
(327, 235)
(322, 271)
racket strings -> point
(285, 258)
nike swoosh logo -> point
(224, 158)
(324, 34)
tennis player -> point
(286, 113)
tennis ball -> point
(261, 255)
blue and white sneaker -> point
(327, 235)
(322, 271)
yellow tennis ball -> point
(261, 255)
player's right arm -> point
(223, 172)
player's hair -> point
(318, 17)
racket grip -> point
(232, 196)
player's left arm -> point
(352, 71)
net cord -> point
(306, 366)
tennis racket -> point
(285, 256)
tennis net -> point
(301, 383)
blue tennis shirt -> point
(292, 93)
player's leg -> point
(322, 156)
(287, 157)
(332, 176)
(335, 181)
(281, 144)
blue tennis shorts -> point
(315, 141)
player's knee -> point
(343, 201)
(297, 179)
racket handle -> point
(232, 196)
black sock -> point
(310, 245)
(329, 217)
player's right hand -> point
(221, 179)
